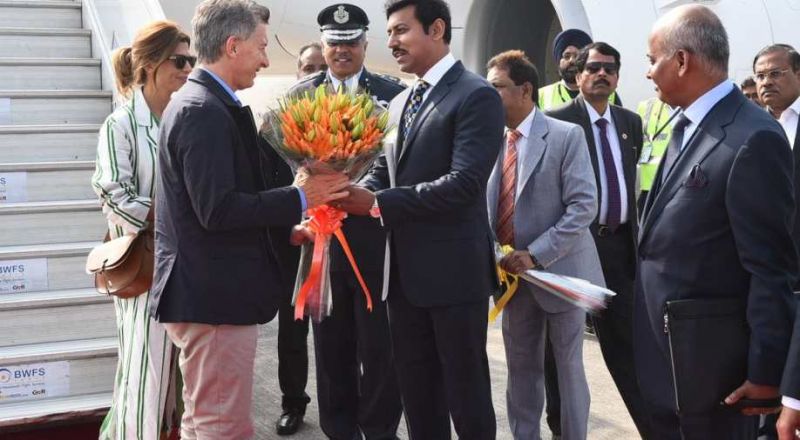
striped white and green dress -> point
(144, 402)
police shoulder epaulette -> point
(390, 78)
(311, 77)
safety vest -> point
(553, 95)
(655, 114)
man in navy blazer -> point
(717, 225)
(216, 273)
(429, 191)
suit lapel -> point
(534, 152)
(391, 145)
(708, 135)
(797, 135)
(625, 143)
(437, 94)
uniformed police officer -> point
(356, 386)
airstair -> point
(57, 335)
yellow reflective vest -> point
(556, 94)
(655, 114)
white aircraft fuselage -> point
(482, 28)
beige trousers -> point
(217, 365)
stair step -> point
(90, 362)
(48, 43)
(48, 143)
(54, 316)
(62, 221)
(38, 14)
(50, 74)
(54, 410)
(32, 107)
(44, 181)
(50, 299)
(64, 263)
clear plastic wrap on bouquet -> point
(325, 131)
(576, 291)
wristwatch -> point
(375, 211)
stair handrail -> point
(113, 25)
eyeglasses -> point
(181, 60)
(595, 67)
(772, 74)
(569, 56)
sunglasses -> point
(181, 60)
(595, 67)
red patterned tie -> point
(508, 190)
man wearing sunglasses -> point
(566, 46)
(776, 70)
(614, 136)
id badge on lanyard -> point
(647, 152)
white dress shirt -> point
(616, 152)
(788, 121)
(524, 129)
(350, 83)
(435, 74)
(698, 110)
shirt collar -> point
(224, 85)
(794, 107)
(703, 105)
(437, 72)
(141, 110)
(524, 127)
(594, 116)
(350, 82)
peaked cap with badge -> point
(342, 23)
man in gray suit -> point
(542, 197)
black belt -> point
(605, 230)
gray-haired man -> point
(217, 275)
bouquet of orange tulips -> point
(326, 131)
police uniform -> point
(356, 384)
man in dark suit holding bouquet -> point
(429, 191)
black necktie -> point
(674, 146)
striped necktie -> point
(508, 191)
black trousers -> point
(722, 424)
(356, 385)
(442, 367)
(614, 326)
(292, 357)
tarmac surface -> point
(608, 419)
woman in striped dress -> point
(147, 73)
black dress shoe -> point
(289, 422)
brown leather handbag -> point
(123, 267)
